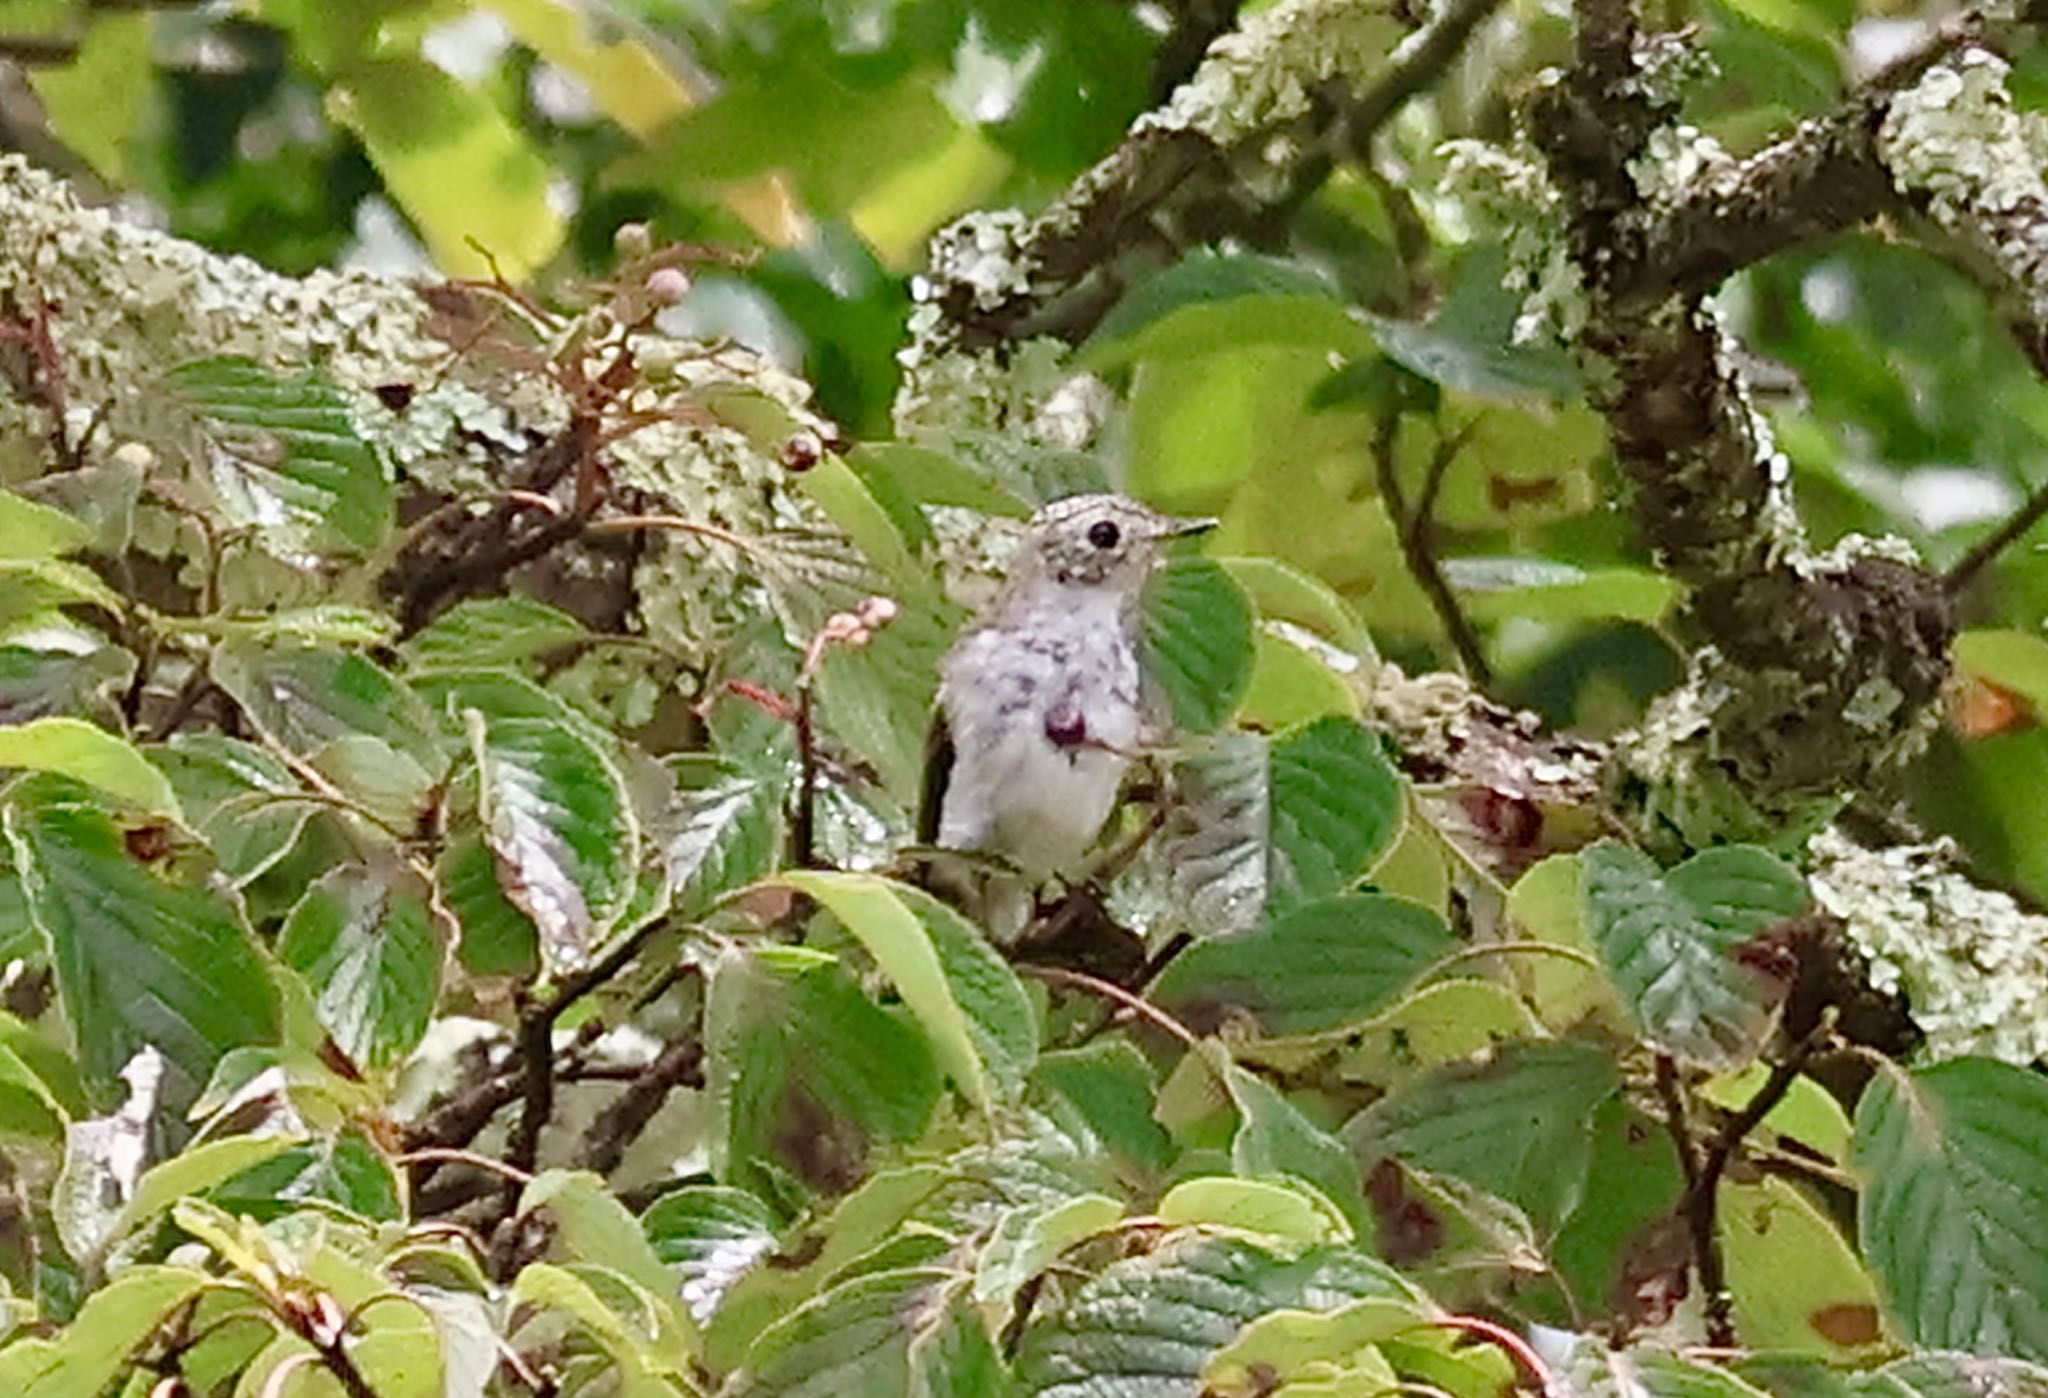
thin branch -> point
(1672, 1095)
(604, 1144)
(1704, 1184)
(1966, 568)
(1095, 985)
(1415, 528)
(536, 1038)
(446, 1155)
(1172, 182)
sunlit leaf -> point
(87, 753)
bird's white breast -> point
(1013, 790)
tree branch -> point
(1183, 174)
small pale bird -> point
(1041, 700)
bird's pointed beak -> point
(1186, 528)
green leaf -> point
(142, 957)
(1210, 301)
(1285, 1343)
(1283, 593)
(285, 450)
(303, 699)
(226, 787)
(721, 837)
(794, 1111)
(1197, 641)
(560, 821)
(1952, 1376)
(1027, 1240)
(1267, 824)
(1624, 1226)
(85, 752)
(1253, 1206)
(591, 1225)
(43, 679)
(906, 1331)
(1110, 1085)
(1670, 940)
(971, 1004)
(364, 941)
(1794, 1282)
(497, 938)
(1276, 1138)
(1147, 1325)
(93, 1349)
(1498, 589)
(1954, 1215)
(708, 1236)
(486, 631)
(1518, 1126)
(1470, 344)
(30, 532)
(194, 1170)
(927, 477)
(467, 177)
(29, 589)
(1293, 684)
(1320, 965)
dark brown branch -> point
(1801, 645)
(1703, 1186)
(1416, 528)
(2016, 525)
(536, 1044)
(620, 1124)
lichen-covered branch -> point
(1293, 79)
(1959, 153)
(1829, 173)
(123, 306)
(1822, 669)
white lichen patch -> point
(1676, 159)
(1971, 963)
(1491, 190)
(128, 305)
(1955, 135)
(1955, 143)
(1268, 70)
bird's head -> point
(1097, 541)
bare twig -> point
(1704, 1183)
(604, 1144)
(1095, 985)
(2015, 527)
(1416, 529)
(536, 1038)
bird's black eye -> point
(1103, 534)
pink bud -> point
(668, 284)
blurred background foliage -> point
(827, 139)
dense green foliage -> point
(427, 981)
